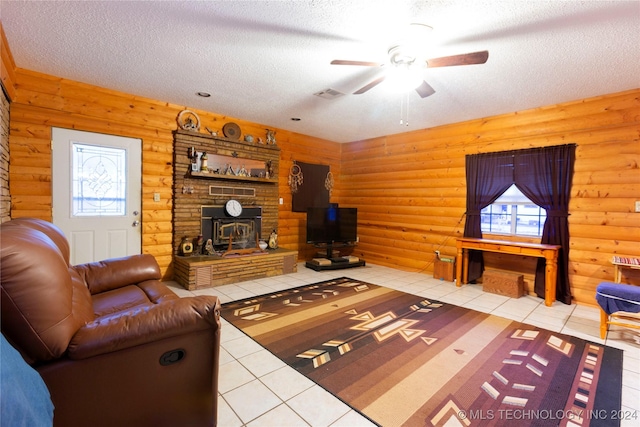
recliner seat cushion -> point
(118, 300)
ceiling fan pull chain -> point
(406, 112)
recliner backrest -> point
(42, 307)
(51, 230)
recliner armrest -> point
(146, 324)
(115, 273)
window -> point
(99, 180)
(513, 213)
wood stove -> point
(242, 231)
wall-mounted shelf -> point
(252, 170)
(207, 175)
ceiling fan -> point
(404, 58)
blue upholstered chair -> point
(616, 302)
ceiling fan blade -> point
(369, 85)
(425, 90)
(347, 62)
(463, 59)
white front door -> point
(97, 193)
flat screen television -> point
(326, 226)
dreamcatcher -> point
(295, 177)
(328, 182)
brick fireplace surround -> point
(192, 190)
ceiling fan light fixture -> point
(404, 77)
(406, 62)
(402, 55)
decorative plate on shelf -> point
(231, 130)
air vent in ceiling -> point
(329, 93)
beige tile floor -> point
(258, 389)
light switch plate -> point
(637, 205)
(156, 197)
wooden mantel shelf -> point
(207, 175)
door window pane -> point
(99, 180)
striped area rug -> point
(403, 360)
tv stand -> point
(329, 262)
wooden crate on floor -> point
(503, 283)
(444, 270)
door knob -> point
(136, 223)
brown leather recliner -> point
(115, 346)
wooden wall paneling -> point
(43, 101)
(7, 93)
(368, 174)
(5, 194)
(7, 66)
(292, 225)
(401, 182)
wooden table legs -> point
(548, 252)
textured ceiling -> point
(262, 61)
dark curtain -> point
(544, 176)
(312, 193)
(488, 176)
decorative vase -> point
(273, 240)
(263, 245)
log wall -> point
(7, 66)
(5, 195)
(7, 91)
(40, 102)
(44, 101)
(410, 188)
